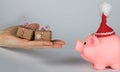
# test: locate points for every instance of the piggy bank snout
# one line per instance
(78, 45)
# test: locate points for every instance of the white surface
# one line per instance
(69, 20)
(44, 60)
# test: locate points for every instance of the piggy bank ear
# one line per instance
(93, 40)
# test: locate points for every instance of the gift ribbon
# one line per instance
(26, 24)
(47, 28)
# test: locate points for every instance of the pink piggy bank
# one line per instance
(101, 51)
(102, 48)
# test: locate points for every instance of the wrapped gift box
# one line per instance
(43, 35)
(24, 32)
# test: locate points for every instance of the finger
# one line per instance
(57, 46)
(59, 41)
(32, 45)
(41, 47)
(12, 28)
(40, 43)
(52, 46)
(1, 32)
(49, 46)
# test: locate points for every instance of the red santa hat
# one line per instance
(105, 30)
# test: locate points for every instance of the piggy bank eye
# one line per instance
(85, 43)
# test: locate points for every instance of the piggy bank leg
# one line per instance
(115, 66)
(99, 66)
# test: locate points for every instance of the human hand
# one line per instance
(9, 40)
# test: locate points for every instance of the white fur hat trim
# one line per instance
(106, 8)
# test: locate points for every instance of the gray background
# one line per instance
(69, 20)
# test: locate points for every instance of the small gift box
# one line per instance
(24, 32)
(43, 34)
(31, 32)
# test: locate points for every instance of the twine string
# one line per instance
(25, 25)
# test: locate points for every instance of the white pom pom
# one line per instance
(106, 9)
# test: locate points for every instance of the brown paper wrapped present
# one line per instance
(31, 32)
(43, 35)
(25, 33)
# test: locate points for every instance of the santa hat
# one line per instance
(105, 30)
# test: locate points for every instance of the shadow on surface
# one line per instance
(52, 57)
